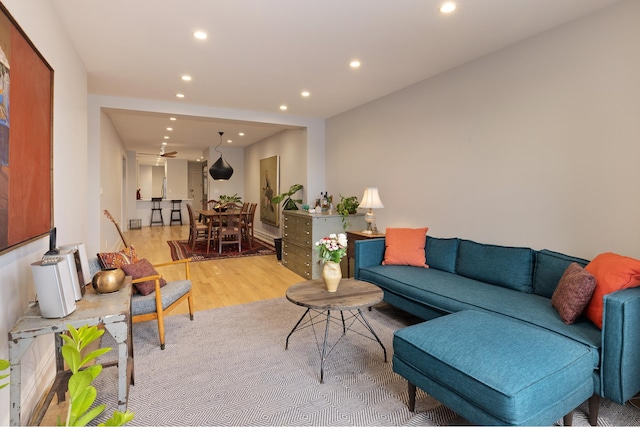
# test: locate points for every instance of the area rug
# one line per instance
(181, 250)
(229, 367)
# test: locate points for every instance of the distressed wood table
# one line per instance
(113, 311)
(352, 296)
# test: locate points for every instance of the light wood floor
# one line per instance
(215, 283)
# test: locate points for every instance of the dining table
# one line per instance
(209, 216)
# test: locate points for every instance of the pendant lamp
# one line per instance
(220, 170)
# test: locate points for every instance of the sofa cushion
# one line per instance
(450, 293)
(509, 267)
(405, 246)
(550, 266)
(501, 372)
(573, 293)
(612, 272)
(442, 253)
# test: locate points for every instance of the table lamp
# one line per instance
(371, 200)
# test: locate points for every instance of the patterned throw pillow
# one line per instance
(405, 246)
(118, 259)
(573, 292)
(140, 269)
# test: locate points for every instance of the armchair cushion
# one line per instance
(140, 269)
(145, 304)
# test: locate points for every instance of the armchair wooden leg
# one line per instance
(161, 329)
(190, 301)
(412, 397)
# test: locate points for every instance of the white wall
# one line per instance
(177, 179)
(113, 159)
(145, 181)
(536, 145)
(291, 146)
(38, 19)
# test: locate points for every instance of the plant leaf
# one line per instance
(95, 354)
(83, 402)
(79, 382)
(118, 419)
(71, 355)
(4, 364)
(89, 416)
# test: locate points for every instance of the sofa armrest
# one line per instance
(620, 370)
(368, 253)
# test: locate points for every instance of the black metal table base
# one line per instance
(325, 315)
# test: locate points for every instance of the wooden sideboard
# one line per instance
(300, 231)
(352, 236)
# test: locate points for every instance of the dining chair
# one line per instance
(247, 223)
(197, 230)
(229, 230)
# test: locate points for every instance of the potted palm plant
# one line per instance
(288, 205)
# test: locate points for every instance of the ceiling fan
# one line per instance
(161, 154)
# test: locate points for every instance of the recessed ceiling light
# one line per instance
(447, 7)
(200, 35)
(186, 78)
(166, 137)
(305, 93)
(229, 141)
(283, 107)
(164, 143)
(179, 95)
(241, 134)
(169, 129)
(172, 118)
(354, 64)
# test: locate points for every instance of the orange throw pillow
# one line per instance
(405, 246)
(612, 272)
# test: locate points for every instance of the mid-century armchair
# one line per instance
(163, 299)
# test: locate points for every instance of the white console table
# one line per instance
(112, 310)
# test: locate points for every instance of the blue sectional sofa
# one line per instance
(515, 283)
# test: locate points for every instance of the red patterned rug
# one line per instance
(181, 250)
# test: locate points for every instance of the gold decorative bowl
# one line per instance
(108, 280)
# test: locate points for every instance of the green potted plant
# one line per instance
(347, 206)
(288, 205)
(224, 199)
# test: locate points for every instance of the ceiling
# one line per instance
(261, 54)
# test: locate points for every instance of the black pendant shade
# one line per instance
(220, 170)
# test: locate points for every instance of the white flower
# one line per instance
(342, 239)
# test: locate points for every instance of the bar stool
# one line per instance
(156, 207)
(176, 212)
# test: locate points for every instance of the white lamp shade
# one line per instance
(371, 199)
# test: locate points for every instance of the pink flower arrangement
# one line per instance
(332, 248)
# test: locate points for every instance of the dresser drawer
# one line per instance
(297, 259)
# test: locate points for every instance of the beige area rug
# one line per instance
(229, 367)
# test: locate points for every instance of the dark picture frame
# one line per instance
(26, 138)
(269, 188)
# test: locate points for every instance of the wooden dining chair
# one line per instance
(198, 231)
(247, 223)
(229, 230)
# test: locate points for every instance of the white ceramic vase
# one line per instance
(331, 275)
